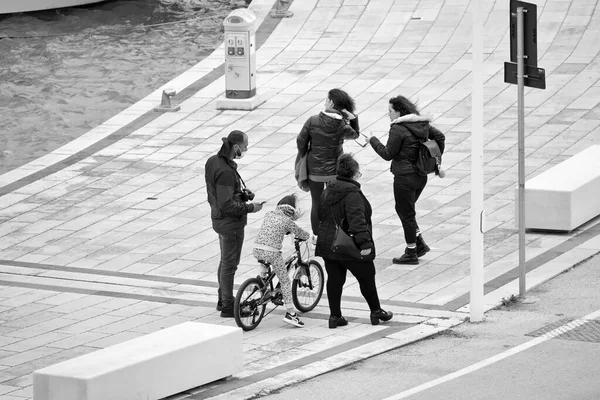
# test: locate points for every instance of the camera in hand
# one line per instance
(247, 195)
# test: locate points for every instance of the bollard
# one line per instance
(165, 104)
(240, 62)
(279, 11)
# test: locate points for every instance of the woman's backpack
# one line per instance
(429, 158)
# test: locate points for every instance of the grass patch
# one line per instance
(509, 301)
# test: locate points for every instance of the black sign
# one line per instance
(534, 77)
(529, 35)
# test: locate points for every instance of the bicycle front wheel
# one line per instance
(249, 307)
(307, 287)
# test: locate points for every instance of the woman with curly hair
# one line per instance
(322, 137)
(408, 129)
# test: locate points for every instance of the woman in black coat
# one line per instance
(322, 136)
(343, 199)
(408, 129)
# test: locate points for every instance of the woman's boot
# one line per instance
(380, 315)
(422, 247)
(409, 257)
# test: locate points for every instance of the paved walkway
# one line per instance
(109, 237)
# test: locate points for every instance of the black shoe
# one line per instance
(219, 305)
(409, 257)
(227, 313)
(422, 247)
(382, 315)
(334, 322)
(278, 299)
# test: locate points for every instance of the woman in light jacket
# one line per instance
(322, 136)
(343, 200)
(408, 129)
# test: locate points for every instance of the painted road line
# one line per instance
(498, 357)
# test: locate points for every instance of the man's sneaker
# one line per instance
(293, 319)
(227, 313)
(219, 305)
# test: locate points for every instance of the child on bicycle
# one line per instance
(268, 244)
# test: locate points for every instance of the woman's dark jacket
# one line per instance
(344, 199)
(324, 136)
(402, 147)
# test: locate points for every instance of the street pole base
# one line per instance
(528, 300)
(250, 104)
(281, 14)
(167, 109)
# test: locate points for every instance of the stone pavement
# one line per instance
(109, 237)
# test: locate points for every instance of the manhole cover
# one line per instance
(584, 331)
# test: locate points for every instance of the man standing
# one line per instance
(229, 205)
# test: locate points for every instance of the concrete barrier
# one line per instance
(565, 196)
(150, 367)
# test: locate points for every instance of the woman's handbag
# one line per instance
(301, 172)
(344, 245)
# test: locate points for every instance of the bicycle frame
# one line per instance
(295, 257)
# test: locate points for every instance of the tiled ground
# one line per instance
(109, 237)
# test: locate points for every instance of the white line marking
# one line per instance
(498, 357)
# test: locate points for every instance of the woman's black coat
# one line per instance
(343, 199)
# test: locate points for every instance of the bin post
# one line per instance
(240, 62)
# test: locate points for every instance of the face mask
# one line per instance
(239, 154)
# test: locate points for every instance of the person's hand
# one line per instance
(348, 114)
(365, 252)
(257, 206)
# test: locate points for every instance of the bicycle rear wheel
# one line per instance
(249, 307)
(307, 286)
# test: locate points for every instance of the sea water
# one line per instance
(65, 71)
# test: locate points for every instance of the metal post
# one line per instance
(521, 144)
(476, 301)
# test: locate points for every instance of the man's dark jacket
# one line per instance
(227, 210)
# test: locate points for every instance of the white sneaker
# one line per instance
(293, 320)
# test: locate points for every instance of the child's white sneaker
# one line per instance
(293, 319)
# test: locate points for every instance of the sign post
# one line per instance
(476, 298)
(525, 72)
(521, 146)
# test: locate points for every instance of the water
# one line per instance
(65, 71)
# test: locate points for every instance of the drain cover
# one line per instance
(585, 331)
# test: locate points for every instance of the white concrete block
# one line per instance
(565, 196)
(150, 367)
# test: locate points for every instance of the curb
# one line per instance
(394, 341)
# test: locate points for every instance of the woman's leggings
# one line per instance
(316, 189)
(276, 261)
(363, 271)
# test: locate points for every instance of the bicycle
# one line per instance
(255, 293)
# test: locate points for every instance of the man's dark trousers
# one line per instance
(231, 251)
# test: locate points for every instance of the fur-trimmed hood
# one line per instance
(331, 120)
(411, 118)
(416, 124)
